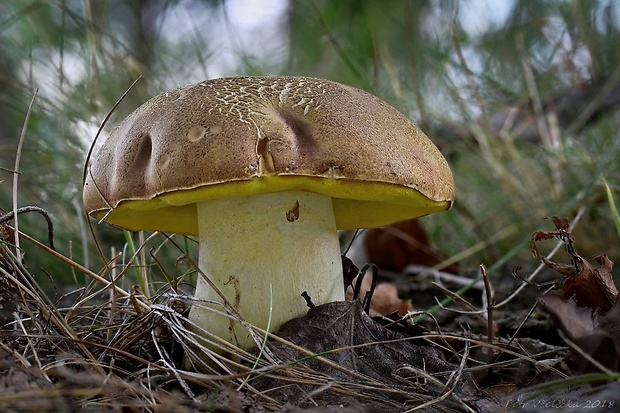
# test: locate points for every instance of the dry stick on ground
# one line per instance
(490, 331)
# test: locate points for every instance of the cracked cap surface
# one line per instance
(252, 135)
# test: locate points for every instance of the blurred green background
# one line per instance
(520, 95)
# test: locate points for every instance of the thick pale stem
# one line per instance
(284, 242)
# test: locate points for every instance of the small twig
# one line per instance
(10, 170)
(518, 330)
(18, 157)
(105, 121)
(166, 359)
(489, 296)
(358, 285)
(86, 168)
(308, 299)
(458, 299)
(515, 274)
(584, 354)
(50, 225)
(355, 234)
(427, 272)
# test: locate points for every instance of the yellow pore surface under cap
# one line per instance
(357, 204)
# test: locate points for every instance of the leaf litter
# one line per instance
(585, 306)
(125, 354)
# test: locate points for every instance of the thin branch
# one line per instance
(18, 157)
(50, 225)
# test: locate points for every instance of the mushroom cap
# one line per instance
(252, 135)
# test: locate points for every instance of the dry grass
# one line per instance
(102, 348)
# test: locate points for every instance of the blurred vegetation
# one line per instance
(519, 95)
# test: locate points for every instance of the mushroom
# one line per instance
(265, 170)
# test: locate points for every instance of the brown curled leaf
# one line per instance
(593, 287)
(567, 270)
(590, 286)
(560, 223)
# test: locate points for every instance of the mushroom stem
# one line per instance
(284, 242)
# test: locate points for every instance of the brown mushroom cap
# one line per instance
(251, 135)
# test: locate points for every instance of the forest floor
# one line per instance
(553, 348)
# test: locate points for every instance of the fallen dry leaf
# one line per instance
(590, 286)
(396, 246)
(574, 321)
(370, 355)
(597, 336)
(594, 286)
(586, 307)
